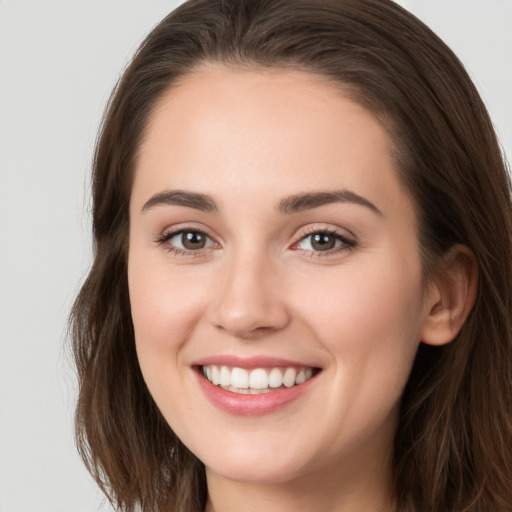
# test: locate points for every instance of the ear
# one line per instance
(451, 296)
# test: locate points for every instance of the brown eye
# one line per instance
(193, 240)
(322, 242)
(189, 240)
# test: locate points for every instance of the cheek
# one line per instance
(165, 307)
(370, 321)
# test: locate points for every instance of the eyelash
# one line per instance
(165, 237)
(346, 243)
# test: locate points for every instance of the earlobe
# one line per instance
(451, 296)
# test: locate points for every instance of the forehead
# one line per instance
(216, 97)
(270, 129)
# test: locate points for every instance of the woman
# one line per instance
(299, 298)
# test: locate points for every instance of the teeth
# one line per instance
(225, 377)
(247, 391)
(259, 380)
(275, 378)
(239, 378)
(289, 377)
(215, 375)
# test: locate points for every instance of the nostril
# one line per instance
(248, 303)
(251, 324)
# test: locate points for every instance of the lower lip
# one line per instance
(252, 405)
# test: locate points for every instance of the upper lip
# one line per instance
(250, 362)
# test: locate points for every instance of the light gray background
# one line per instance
(58, 63)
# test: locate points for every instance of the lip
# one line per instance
(245, 404)
(249, 363)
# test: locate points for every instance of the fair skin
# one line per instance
(330, 284)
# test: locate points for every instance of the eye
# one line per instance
(187, 240)
(324, 241)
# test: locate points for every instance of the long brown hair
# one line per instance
(453, 447)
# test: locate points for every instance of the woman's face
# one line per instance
(271, 242)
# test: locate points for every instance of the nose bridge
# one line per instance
(248, 299)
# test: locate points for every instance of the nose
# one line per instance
(249, 300)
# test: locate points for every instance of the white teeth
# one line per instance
(240, 378)
(225, 377)
(258, 379)
(289, 377)
(255, 381)
(215, 376)
(275, 378)
(248, 391)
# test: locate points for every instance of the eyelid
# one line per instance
(348, 241)
(322, 227)
(170, 232)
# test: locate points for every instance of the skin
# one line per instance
(249, 139)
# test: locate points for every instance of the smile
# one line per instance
(253, 386)
(257, 380)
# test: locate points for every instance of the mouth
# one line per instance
(256, 381)
(254, 386)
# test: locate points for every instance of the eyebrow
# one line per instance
(194, 200)
(308, 201)
(291, 204)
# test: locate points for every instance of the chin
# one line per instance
(264, 466)
(256, 472)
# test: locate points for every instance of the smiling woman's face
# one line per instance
(271, 242)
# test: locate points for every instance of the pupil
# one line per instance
(322, 242)
(193, 240)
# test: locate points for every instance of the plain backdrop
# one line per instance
(58, 63)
